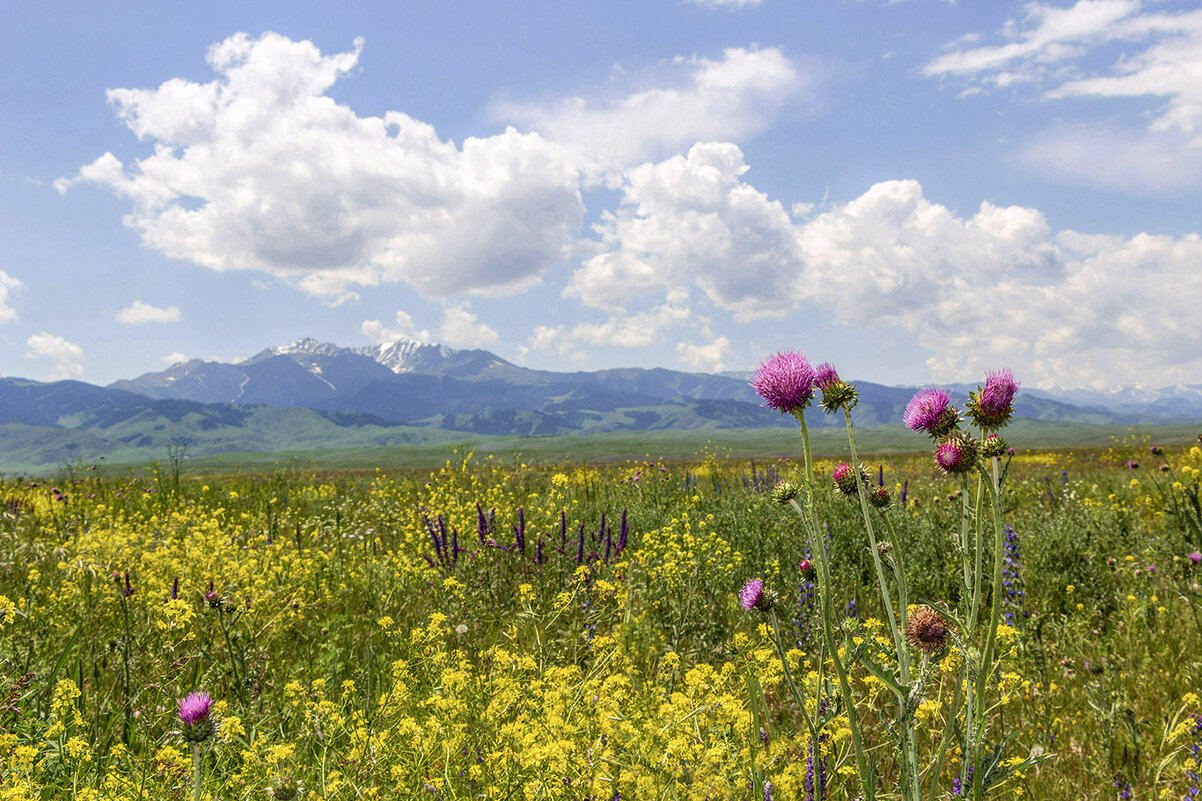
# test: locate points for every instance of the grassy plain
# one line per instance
(538, 624)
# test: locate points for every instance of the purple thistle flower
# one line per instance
(991, 406)
(752, 595)
(194, 708)
(930, 410)
(950, 457)
(825, 376)
(1195, 557)
(785, 382)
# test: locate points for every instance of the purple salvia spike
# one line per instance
(434, 538)
(880, 475)
(905, 486)
(481, 524)
(609, 544)
(538, 551)
(175, 588)
(563, 531)
(519, 531)
(454, 545)
(429, 561)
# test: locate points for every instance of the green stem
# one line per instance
(867, 779)
(908, 740)
(784, 661)
(986, 665)
(197, 772)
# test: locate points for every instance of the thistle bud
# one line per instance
(956, 454)
(844, 476)
(992, 445)
(879, 498)
(784, 492)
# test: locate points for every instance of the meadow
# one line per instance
(495, 629)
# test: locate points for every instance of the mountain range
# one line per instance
(313, 395)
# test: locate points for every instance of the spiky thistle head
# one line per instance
(993, 446)
(193, 710)
(926, 630)
(836, 393)
(754, 596)
(956, 454)
(845, 478)
(931, 410)
(784, 492)
(785, 381)
(991, 406)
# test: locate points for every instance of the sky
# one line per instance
(917, 191)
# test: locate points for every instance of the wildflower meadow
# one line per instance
(965, 621)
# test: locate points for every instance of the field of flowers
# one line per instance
(492, 630)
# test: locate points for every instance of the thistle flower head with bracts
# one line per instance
(754, 596)
(836, 393)
(784, 492)
(993, 446)
(990, 406)
(844, 476)
(193, 710)
(926, 630)
(879, 498)
(785, 381)
(931, 410)
(956, 454)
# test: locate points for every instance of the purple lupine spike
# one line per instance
(481, 524)
(175, 588)
(563, 531)
(454, 545)
(434, 538)
(519, 531)
(609, 543)
(429, 561)
(538, 551)
(623, 532)
(880, 475)
(600, 528)
(905, 486)
(580, 546)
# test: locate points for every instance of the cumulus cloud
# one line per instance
(995, 287)
(731, 98)
(402, 328)
(8, 286)
(67, 356)
(175, 358)
(630, 330)
(139, 312)
(259, 169)
(464, 329)
(708, 358)
(692, 221)
(1055, 51)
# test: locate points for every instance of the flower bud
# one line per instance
(784, 492)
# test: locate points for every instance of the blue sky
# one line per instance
(917, 191)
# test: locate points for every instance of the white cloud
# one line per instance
(733, 98)
(260, 169)
(693, 221)
(175, 358)
(999, 287)
(139, 312)
(67, 356)
(403, 327)
(463, 329)
(708, 358)
(1059, 51)
(630, 330)
(8, 285)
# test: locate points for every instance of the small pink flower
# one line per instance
(1195, 557)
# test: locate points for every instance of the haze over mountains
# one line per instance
(314, 395)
